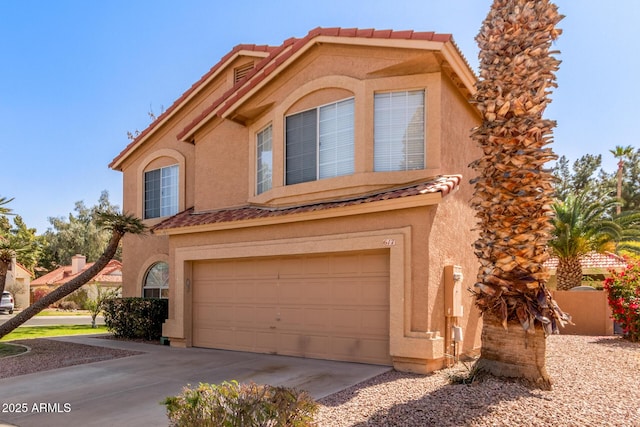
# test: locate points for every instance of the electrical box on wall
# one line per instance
(453, 290)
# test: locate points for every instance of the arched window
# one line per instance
(156, 281)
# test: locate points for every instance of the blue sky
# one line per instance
(76, 76)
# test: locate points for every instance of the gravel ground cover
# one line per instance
(47, 354)
(596, 383)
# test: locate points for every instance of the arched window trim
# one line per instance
(156, 281)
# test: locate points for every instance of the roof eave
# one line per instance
(421, 200)
(116, 163)
(448, 49)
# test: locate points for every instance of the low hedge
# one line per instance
(136, 317)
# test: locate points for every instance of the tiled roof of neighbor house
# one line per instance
(188, 218)
(62, 275)
(267, 65)
(592, 260)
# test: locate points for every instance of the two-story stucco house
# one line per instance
(306, 199)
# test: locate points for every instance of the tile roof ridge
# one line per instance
(276, 55)
(291, 45)
(236, 49)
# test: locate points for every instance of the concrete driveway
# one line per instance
(127, 391)
(54, 320)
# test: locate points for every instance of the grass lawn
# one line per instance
(7, 350)
(54, 312)
(27, 332)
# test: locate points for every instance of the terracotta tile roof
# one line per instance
(191, 90)
(593, 260)
(62, 275)
(279, 55)
(276, 56)
(188, 218)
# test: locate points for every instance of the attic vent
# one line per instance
(241, 72)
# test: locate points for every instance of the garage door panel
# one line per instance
(305, 345)
(330, 306)
(205, 315)
(296, 292)
(358, 349)
(317, 319)
(375, 291)
(346, 292)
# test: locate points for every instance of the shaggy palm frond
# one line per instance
(121, 223)
(581, 226)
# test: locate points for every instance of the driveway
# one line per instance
(127, 391)
(54, 320)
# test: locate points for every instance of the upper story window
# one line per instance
(320, 143)
(399, 131)
(264, 167)
(161, 192)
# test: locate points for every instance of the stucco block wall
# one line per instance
(590, 312)
(217, 163)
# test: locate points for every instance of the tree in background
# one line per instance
(95, 305)
(27, 246)
(117, 225)
(621, 153)
(6, 250)
(585, 176)
(79, 234)
(579, 227)
(513, 192)
(630, 194)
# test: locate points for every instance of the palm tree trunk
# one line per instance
(513, 352)
(65, 289)
(569, 273)
(620, 167)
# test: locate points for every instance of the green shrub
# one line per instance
(78, 297)
(67, 305)
(240, 405)
(136, 317)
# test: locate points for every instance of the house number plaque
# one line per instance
(389, 242)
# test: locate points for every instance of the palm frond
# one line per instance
(121, 223)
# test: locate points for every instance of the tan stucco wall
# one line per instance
(590, 312)
(219, 172)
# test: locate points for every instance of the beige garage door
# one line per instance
(330, 306)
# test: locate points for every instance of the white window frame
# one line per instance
(399, 130)
(264, 159)
(165, 193)
(334, 141)
(156, 279)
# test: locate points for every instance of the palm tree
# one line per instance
(581, 226)
(513, 191)
(621, 153)
(118, 225)
(629, 242)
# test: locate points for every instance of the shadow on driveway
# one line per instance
(128, 391)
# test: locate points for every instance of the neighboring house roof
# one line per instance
(593, 260)
(272, 59)
(189, 218)
(59, 276)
